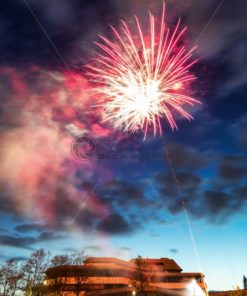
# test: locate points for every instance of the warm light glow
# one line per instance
(142, 79)
(45, 282)
(194, 289)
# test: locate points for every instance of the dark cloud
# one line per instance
(67, 24)
(130, 198)
(125, 249)
(188, 182)
(218, 43)
(73, 26)
(19, 258)
(17, 241)
(27, 242)
(218, 205)
(215, 199)
(70, 250)
(116, 224)
(48, 236)
(58, 186)
(31, 227)
(87, 220)
(174, 251)
(184, 156)
(123, 192)
(93, 248)
(241, 192)
(233, 168)
(69, 211)
(241, 132)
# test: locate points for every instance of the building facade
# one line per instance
(112, 276)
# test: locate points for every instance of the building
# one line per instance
(112, 276)
(237, 292)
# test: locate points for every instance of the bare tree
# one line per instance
(72, 261)
(74, 258)
(10, 278)
(34, 272)
(77, 257)
(60, 260)
(29, 277)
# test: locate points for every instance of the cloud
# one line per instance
(187, 181)
(215, 197)
(45, 106)
(116, 224)
(4, 230)
(35, 148)
(233, 168)
(174, 251)
(31, 227)
(218, 205)
(184, 156)
(72, 26)
(27, 242)
(127, 249)
(18, 258)
(241, 132)
(83, 214)
(241, 192)
(124, 193)
(93, 248)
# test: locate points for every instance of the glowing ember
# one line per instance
(143, 79)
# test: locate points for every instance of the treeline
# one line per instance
(24, 278)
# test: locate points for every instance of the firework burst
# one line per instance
(143, 78)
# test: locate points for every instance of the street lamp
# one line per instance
(45, 282)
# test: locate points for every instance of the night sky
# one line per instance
(114, 207)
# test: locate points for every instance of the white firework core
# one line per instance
(142, 79)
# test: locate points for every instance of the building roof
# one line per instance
(65, 270)
(98, 263)
(167, 264)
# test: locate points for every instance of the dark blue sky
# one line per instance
(122, 207)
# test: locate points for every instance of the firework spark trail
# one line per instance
(142, 79)
(209, 21)
(172, 218)
(178, 187)
(83, 204)
(51, 42)
(174, 176)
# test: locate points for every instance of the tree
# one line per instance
(143, 275)
(29, 277)
(245, 282)
(10, 278)
(60, 260)
(34, 272)
(74, 260)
